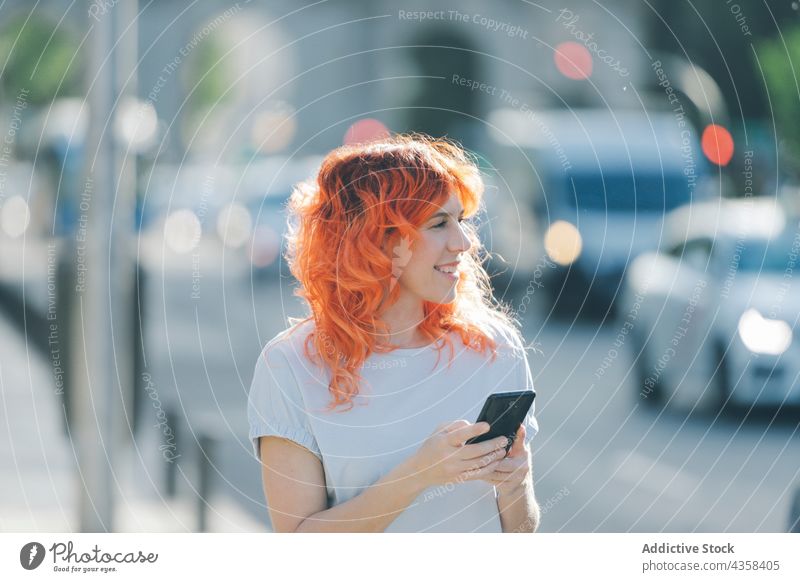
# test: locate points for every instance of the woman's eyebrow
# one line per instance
(438, 214)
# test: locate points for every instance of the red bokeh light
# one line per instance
(365, 130)
(717, 144)
(573, 60)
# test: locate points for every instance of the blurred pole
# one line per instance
(794, 512)
(101, 312)
(139, 354)
(207, 443)
(171, 469)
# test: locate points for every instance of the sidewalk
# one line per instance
(38, 487)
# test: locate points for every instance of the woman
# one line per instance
(357, 425)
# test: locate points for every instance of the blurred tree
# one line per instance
(778, 61)
(39, 57)
(718, 37)
(207, 77)
(726, 38)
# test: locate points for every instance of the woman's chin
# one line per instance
(443, 298)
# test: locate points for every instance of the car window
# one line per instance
(675, 251)
(625, 191)
(693, 253)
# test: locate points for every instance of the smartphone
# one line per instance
(504, 411)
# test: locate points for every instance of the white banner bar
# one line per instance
(406, 557)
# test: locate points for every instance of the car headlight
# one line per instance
(764, 336)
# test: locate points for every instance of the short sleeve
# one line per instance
(275, 405)
(526, 383)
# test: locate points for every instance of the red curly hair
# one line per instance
(365, 199)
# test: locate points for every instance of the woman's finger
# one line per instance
(451, 425)
(508, 465)
(491, 457)
(461, 434)
(504, 473)
(474, 474)
(479, 449)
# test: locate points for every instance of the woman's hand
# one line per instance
(444, 458)
(509, 475)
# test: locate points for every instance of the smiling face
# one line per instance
(430, 273)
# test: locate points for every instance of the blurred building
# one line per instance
(336, 62)
(216, 71)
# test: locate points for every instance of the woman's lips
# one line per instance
(451, 276)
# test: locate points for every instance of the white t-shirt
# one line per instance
(405, 397)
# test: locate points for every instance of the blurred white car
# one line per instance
(711, 318)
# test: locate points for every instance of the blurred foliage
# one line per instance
(37, 57)
(207, 77)
(720, 36)
(778, 61)
(729, 39)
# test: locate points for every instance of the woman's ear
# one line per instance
(388, 236)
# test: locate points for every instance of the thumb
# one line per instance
(518, 448)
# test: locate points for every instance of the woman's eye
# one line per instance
(441, 224)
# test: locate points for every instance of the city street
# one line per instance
(603, 462)
(618, 181)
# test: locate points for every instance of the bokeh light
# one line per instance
(265, 245)
(182, 231)
(136, 124)
(573, 60)
(366, 130)
(274, 129)
(563, 242)
(234, 225)
(15, 216)
(717, 144)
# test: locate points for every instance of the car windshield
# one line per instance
(623, 191)
(762, 255)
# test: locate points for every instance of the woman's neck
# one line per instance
(402, 320)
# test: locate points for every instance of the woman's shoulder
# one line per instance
(507, 336)
(289, 341)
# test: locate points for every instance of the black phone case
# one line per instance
(504, 411)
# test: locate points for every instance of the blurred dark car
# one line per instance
(598, 186)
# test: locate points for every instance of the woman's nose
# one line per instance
(461, 241)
